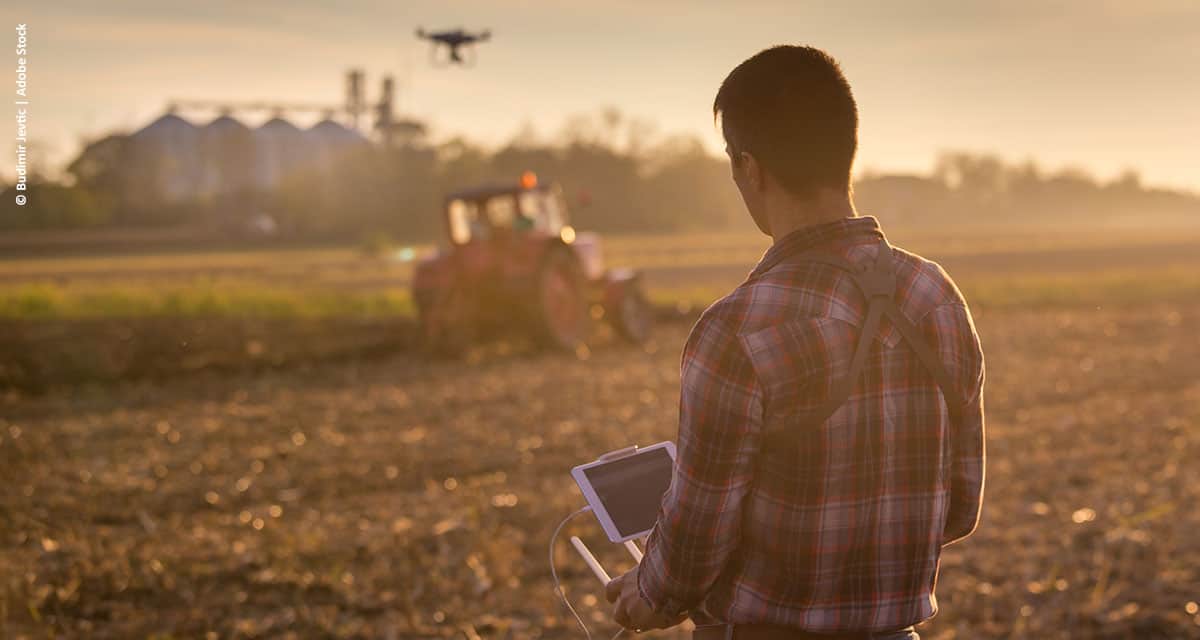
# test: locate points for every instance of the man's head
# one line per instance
(791, 129)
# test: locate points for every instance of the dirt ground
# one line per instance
(396, 497)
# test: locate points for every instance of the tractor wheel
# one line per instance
(634, 316)
(561, 306)
(446, 324)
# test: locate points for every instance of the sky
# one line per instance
(1100, 85)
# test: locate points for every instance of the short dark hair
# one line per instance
(791, 108)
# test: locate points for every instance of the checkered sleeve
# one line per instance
(720, 417)
(967, 438)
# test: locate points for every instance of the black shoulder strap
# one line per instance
(878, 285)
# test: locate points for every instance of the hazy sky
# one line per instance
(1100, 85)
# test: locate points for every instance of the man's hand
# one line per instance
(630, 610)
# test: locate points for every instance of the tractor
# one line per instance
(514, 266)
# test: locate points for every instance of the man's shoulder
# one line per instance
(716, 334)
(744, 306)
(923, 284)
(723, 317)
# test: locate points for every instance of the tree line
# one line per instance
(630, 179)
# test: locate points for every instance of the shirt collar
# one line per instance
(814, 236)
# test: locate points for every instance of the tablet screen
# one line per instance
(631, 488)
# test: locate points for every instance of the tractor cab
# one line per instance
(497, 212)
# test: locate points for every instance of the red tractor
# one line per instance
(515, 265)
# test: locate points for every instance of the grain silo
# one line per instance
(330, 140)
(168, 152)
(281, 147)
(228, 155)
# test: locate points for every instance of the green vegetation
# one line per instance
(1010, 268)
(199, 299)
(1103, 289)
(1029, 290)
(206, 298)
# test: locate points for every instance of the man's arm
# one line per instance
(720, 417)
(967, 442)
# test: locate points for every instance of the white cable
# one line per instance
(558, 585)
(554, 573)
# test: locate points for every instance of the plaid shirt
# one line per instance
(831, 527)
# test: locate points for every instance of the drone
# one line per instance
(453, 40)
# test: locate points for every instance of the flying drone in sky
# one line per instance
(454, 40)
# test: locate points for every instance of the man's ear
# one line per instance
(756, 177)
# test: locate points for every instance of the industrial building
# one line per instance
(185, 159)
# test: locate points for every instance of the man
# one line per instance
(815, 485)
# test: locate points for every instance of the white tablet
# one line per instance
(625, 488)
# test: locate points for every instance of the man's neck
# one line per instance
(800, 214)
